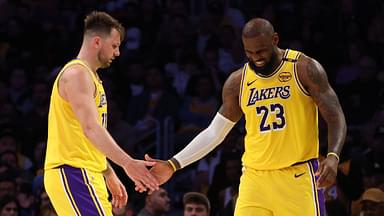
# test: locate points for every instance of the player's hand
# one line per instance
(162, 170)
(117, 189)
(137, 170)
(327, 172)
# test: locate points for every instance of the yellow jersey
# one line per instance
(281, 118)
(67, 143)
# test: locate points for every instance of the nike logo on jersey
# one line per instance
(298, 175)
(250, 83)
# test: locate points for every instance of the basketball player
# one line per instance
(279, 92)
(78, 142)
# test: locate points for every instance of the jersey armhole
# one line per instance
(61, 73)
(243, 74)
(298, 82)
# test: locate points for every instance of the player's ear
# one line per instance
(275, 39)
(97, 42)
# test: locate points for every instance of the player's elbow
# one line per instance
(90, 129)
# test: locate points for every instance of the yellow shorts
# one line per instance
(290, 191)
(75, 191)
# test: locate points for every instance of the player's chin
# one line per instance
(167, 207)
(106, 65)
(259, 67)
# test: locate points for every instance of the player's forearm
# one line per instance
(108, 171)
(103, 141)
(337, 130)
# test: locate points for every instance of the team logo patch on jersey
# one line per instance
(285, 76)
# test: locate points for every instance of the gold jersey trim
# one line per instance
(299, 84)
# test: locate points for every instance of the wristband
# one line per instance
(172, 165)
(334, 154)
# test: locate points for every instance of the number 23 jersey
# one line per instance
(281, 117)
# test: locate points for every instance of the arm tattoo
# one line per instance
(231, 107)
(328, 103)
(231, 87)
(321, 91)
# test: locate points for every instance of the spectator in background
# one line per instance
(121, 130)
(175, 35)
(44, 205)
(19, 92)
(9, 158)
(36, 120)
(231, 53)
(26, 199)
(206, 30)
(228, 195)
(196, 204)
(9, 142)
(223, 189)
(199, 105)
(150, 21)
(8, 206)
(156, 204)
(130, 83)
(38, 157)
(211, 66)
(155, 103)
(180, 71)
(372, 202)
(132, 45)
(126, 210)
(362, 103)
(8, 185)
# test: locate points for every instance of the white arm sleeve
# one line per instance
(205, 141)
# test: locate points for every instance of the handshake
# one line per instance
(149, 180)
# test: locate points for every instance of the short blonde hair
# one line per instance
(98, 22)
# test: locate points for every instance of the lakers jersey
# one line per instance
(281, 117)
(67, 143)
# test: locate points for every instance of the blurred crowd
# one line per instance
(174, 60)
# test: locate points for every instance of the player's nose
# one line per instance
(117, 52)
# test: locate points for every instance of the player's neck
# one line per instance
(89, 58)
(278, 58)
(88, 61)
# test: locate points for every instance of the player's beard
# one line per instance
(267, 68)
(105, 62)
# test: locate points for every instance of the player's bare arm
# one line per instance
(76, 86)
(314, 79)
(230, 95)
